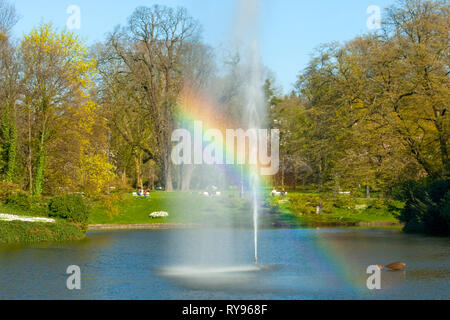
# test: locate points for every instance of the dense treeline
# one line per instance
(78, 119)
(368, 115)
(52, 133)
(373, 112)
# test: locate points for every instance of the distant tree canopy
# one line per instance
(367, 114)
(374, 111)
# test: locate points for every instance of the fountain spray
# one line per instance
(255, 223)
(246, 37)
(255, 107)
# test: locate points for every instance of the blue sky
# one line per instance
(290, 30)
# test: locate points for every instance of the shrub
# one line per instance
(344, 202)
(26, 203)
(110, 203)
(7, 189)
(427, 207)
(273, 206)
(379, 204)
(395, 207)
(307, 203)
(24, 232)
(20, 201)
(71, 207)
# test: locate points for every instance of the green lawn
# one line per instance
(360, 211)
(226, 209)
(343, 215)
(182, 208)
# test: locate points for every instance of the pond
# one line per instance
(294, 264)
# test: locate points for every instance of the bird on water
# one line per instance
(396, 266)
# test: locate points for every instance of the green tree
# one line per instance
(9, 92)
(57, 75)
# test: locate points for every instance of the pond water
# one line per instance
(294, 264)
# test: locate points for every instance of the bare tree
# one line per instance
(150, 50)
(8, 17)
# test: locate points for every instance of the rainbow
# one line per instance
(196, 105)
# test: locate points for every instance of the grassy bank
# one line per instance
(68, 212)
(338, 210)
(189, 208)
(193, 208)
(230, 209)
(182, 208)
(26, 232)
(349, 217)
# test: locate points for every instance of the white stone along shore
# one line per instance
(11, 217)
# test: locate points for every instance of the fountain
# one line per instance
(247, 33)
(255, 222)
(204, 256)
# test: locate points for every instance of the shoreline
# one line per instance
(141, 226)
(166, 226)
(357, 224)
(26, 232)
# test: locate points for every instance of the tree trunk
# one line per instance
(168, 173)
(30, 155)
(9, 132)
(168, 179)
(40, 169)
(294, 182)
(151, 180)
(186, 176)
(124, 176)
(12, 152)
(138, 163)
(41, 160)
